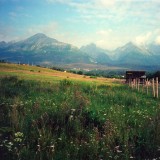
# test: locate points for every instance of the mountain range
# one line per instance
(42, 50)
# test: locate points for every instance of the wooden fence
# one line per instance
(149, 86)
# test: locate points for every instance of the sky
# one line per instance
(107, 23)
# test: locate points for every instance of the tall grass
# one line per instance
(70, 121)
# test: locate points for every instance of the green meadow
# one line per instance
(51, 115)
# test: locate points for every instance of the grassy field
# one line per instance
(48, 75)
(51, 115)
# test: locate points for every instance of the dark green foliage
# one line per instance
(93, 77)
(106, 73)
(80, 72)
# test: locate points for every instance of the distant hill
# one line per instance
(42, 50)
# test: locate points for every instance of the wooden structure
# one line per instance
(132, 75)
(137, 80)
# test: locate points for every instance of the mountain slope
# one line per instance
(154, 48)
(98, 55)
(131, 55)
(40, 49)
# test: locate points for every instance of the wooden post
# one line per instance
(157, 87)
(130, 84)
(143, 85)
(153, 87)
(138, 84)
(147, 85)
(134, 83)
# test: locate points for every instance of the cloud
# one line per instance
(58, 1)
(19, 12)
(102, 43)
(157, 40)
(113, 10)
(7, 33)
(143, 39)
(12, 14)
(104, 32)
(104, 3)
(108, 39)
(109, 43)
(106, 22)
(90, 4)
(48, 29)
(148, 37)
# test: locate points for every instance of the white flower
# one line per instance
(71, 117)
(60, 139)
(118, 151)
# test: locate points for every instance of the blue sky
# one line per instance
(107, 23)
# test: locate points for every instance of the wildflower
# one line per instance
(18, 134)
(158, 149)
(39, 147)
(118, 151)
(60, 139)
(52, 148)
(131, 157)
(71, 117)
(73, 110)
(117, 147)
(10, 143)
(18, 140)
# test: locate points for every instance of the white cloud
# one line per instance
(157, 31)
(104, 3)
(102, 43)
(92, 4)
(157, 40)
(104, 32)
(116, 10)
(109, 43)
(46, 29)
(143, 39)
(58, 1)
(149, 37)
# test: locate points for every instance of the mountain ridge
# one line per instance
(42, 50)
